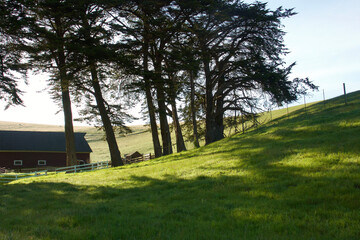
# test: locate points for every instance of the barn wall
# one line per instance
(30, 159)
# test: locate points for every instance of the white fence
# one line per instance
(84, 167)
(8, 177)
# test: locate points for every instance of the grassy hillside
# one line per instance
(297, 177)
(139, 140)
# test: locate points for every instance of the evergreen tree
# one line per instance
(145, 31)
(240, 47)
(131, 26)
(49, 27)
(12, 20)
(187, 61)
(92, 44)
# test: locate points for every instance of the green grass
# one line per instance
(296, 177)
(139, 140)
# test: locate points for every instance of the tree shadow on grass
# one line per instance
(316, 130)
(329, 131)
(254, 194)
(223, 207)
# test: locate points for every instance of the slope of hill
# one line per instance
(139, 140)
(297, 177)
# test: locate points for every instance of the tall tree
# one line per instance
(144, 29)
(131, 21)
(172, 95)
(49, 25)
(10, 62)
(162, 30)
(147, 86)
(188, 62)
(93, 37)
(240, 46)
(12, 20)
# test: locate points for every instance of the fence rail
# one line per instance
(149, 156)
(145, 157)
(84, 167)
(6, 178)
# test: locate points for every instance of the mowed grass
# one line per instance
(297, 177)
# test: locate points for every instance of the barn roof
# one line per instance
(40, 141)
(134, 153)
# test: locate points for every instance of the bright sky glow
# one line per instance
(323, 38)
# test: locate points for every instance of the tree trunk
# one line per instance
(115, 154)
(193, 110)
(164, 125)
(214, 105)
(210, 127)
(153, 125)
(109, 131)
(214, 123)
(149, 100)
(180, 144)
(71, 158)
(219, 110)
(219, 119)
(235, 112)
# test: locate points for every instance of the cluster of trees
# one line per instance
(212, 57)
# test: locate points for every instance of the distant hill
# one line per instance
(140, 139)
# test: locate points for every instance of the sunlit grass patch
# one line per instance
(296, 177)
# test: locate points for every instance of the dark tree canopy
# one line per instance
(12, 19)
(214, 58)
(241, 49)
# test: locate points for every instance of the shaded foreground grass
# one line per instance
(297, 177)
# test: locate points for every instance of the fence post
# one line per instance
(345, 93)
(74, 169)
(242, 123)
(287, 110)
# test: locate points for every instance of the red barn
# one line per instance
(19, 149)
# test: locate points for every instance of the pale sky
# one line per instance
(323, 38)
